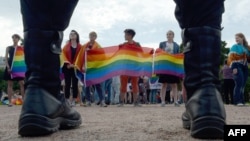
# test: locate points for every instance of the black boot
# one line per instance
(205, 114)
(44, 110)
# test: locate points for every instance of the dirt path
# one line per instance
(147, 123)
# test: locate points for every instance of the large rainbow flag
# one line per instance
(105, 63)
(165, 63)
(18, 68)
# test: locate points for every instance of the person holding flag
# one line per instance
(70, 52)
(10, 53)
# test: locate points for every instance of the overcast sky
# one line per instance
(149, 18)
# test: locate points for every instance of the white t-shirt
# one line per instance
(169, 47)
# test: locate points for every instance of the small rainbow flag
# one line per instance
(18, 68)
(153, 79)
(105, 63)
(165, 63)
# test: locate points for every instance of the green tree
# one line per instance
(224, 51)
(2, 82)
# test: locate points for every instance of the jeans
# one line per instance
(97, 88)
(83, 93)
(107, 89)
(115, 90)
(115, 93)
(152, 97)
(228, 90)
(240, 80)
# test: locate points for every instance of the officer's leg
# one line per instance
(201, 23)
(45, 109)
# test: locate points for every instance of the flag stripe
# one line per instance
(18, 68)
(19, 63)
(170, 59)
(122, 66)
(110, 75)
(125, 58)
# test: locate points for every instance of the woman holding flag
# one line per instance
(8, 74)
(80, 63)
(70, 52)
(171, 47)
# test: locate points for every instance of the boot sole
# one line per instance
(37, 125)
(208, 127)
(186, 124)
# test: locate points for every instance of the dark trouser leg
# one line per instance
(231, 90)
(87, 92)
(239, 83)
(74, 85)
(44, 109)
(67, 79)
(245, 72)
(200, 20)
(99, 91)
(226, 90)
(108, 89)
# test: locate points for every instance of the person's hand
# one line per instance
(235, 71)
(83, 69)
(9, 70)
(120, 46)
(72, 66)
(69, 66)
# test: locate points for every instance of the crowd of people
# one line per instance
(234, 82)
(120, 89)
(111, 94)
(127, 89)
(138, 90)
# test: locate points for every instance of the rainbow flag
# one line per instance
(105, 63)
(18, 67)
(165, 63)
(153, 79)
(154, 82)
